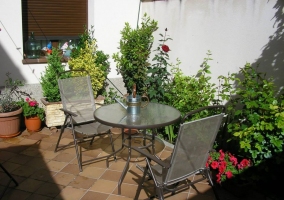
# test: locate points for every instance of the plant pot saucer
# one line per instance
(132, 132)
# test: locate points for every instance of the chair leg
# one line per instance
(111, 142)
(141, 184)
(11, 179)
(78, 151)
(59, 138)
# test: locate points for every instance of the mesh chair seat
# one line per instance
(78, 106)
(194, 142)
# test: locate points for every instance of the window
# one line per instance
(53, 20)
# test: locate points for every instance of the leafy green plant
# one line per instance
(187, 93)
(256, 125)
(86, 60)
(11, 95)
(157, 73)
(49, 78)
(98, 64)
(135, 49)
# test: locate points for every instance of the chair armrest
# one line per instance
(68, 112)
(152, 157)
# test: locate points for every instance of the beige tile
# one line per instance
(71, 169)
(111, 175)
(118, 197)
(55, 165)
(49, 154)
(63, 178)
(104, 186)
(127, 190)
(92, 172)
(82, 182)
(64, 157)
(95, 195)
(71, 193)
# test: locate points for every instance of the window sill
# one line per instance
(41, 60)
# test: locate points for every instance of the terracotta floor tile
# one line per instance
(111, 175)
(20, 159)
(38, 162)
(82, 182)
(16, 194)
(63, 178)
(25, 171)
(49, 189)
(71, 169)
(95, 195)
(31, 151)
(39, 197)
(64, 157)
(118, 197)
(55, 165)
(49, 154)
(43, 175)
(127, 190)
(71, 193)
(30, 185)
(6, 155)
(104, 186)
(92, 172)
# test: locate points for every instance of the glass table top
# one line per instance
(154, 115)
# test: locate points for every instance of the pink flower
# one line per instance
(165, 48)
(27, 99)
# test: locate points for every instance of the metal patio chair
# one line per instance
(195, 141)
(78, 106)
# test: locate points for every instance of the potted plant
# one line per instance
(50, 89)
(10, 111)
(135, 49)
(33, 114)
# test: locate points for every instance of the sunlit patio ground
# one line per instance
(43, 174)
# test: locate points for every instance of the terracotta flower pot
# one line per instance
(10, 124)
(33, 124)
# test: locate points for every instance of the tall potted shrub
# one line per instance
(135, 49)
(50, 89)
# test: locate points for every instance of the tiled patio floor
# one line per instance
(44, 175)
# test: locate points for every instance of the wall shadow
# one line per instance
(29, 169)
(271, 60)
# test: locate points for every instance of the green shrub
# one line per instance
(135, 49)
(49, 78)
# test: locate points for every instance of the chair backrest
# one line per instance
(77, 96)
(191, 151)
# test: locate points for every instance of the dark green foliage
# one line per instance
(135, 49)
(256, 126)
(49, 78)
(157, 74)
(11, 95)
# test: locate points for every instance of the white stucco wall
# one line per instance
(235, 31)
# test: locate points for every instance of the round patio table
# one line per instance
(153, 116)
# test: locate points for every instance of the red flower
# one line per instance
(222, 155)
(222, 167)
(229, 174)
(233, 159)
(244, 163)
(214, 164)
(165, 48)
